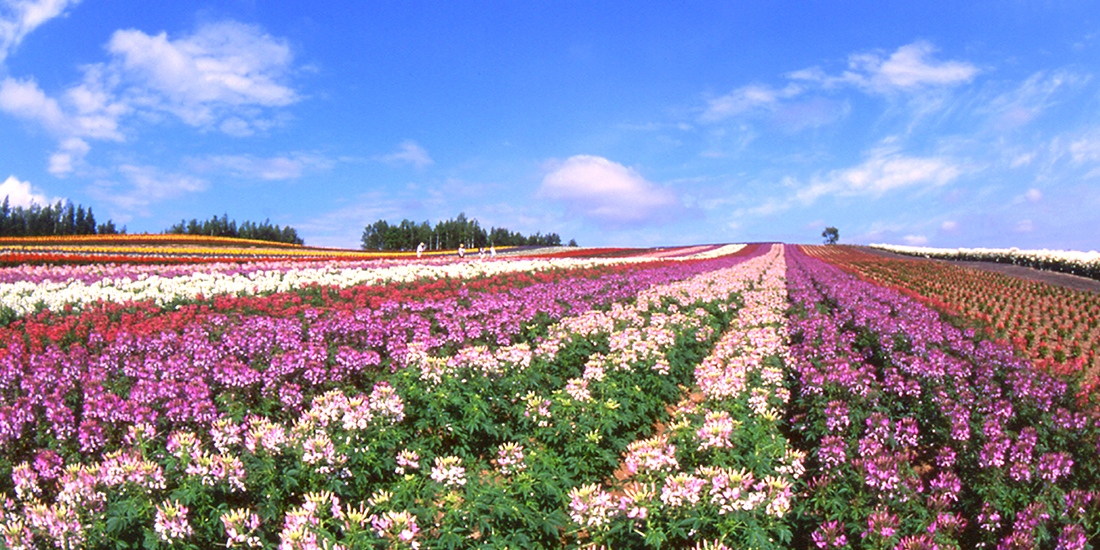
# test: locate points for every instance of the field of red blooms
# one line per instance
(709, 397)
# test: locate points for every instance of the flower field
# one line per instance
(1084, 264)
(1057, 328)
(706, 397)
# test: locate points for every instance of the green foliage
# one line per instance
(447, 235)
(224, 227)
(59, 219)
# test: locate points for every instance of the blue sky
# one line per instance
(615, 123)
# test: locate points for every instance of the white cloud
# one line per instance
(915, 240)
(747, 99)
(23, 98)
(607, 192)
(19, 17)
(21, 193)
(71, 152)
(81, 113)
(1022, 159)
(272, 168)
(910, 68)
(817, 112)
(206, 76)
(226, 76)
(147, 185)
(1030, 99)
(884, 170)
(949, 226)
(408, 152)
(1033, 195)
(1025, 226)
(1086, 148)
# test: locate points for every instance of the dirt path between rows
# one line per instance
(1050, 277)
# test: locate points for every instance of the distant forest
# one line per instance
(46, 221)
(448, 235)
(224, 227)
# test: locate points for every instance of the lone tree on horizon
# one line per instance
(831, 234)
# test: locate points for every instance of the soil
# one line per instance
(1050, 277)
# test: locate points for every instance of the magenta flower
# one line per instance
(830, 535)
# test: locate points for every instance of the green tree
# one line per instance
(831, 235)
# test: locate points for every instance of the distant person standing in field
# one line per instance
(419, 250)
(461, 251)
(492, 251)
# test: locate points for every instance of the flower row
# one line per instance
(922, 437)
(719, 473)
(24, 296)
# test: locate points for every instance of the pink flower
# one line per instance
(716, 430)
(171, 521)
(448, 471)
(510, 458)
(651, 455)
(407, 459)
(590, 506)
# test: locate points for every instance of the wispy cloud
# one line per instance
(408, 152)
(1031, 98)
(74, 116)
(608, 193)
(1086, 148)
(19, 17)
(884, 170)
(68, 156)
(145, 185)
(909, 68)
(343, 226)
(747, 99)
(281, 167)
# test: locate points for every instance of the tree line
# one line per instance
(224, 227)
(447, 235)
(51, 220)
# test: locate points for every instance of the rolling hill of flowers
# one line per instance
(720, 396)
(1085, 264)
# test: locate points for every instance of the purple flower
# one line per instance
(830, 535)
(945, 458)
(1052, 466)
(948, 524)
(1073, 537)
(832, 452)
(989, 518)
(945, 489)
(881, 524)
(836, 416)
